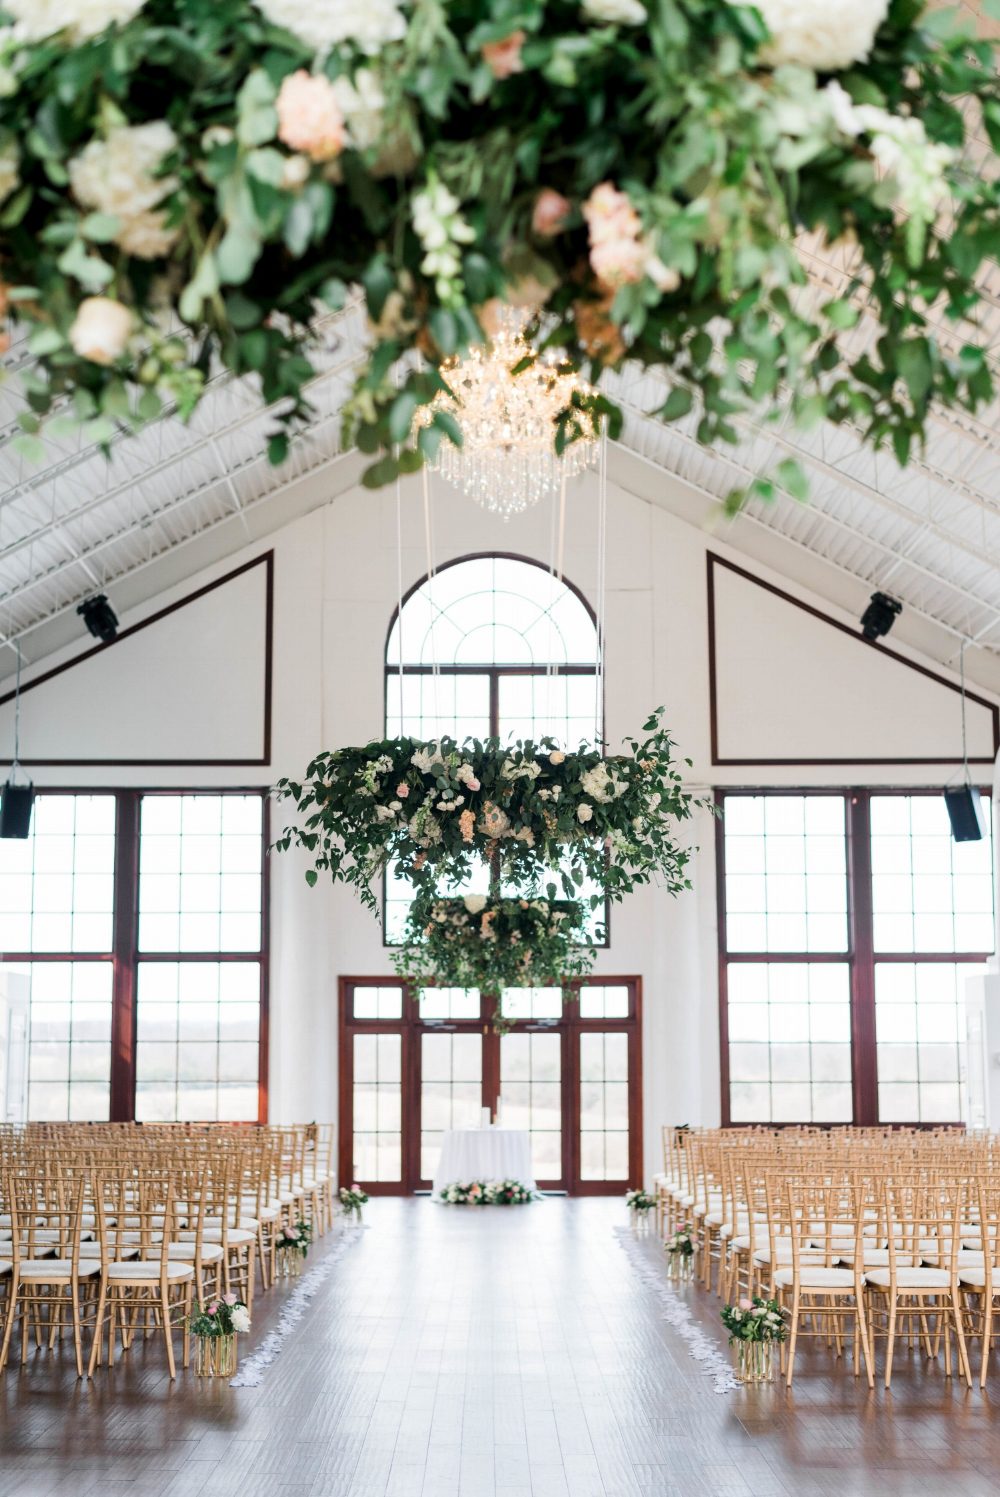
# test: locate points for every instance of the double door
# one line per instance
(415, 1062)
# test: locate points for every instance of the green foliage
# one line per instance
(442, 810)
(736, 172)
(493, 943)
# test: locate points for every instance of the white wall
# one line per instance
(334, 590)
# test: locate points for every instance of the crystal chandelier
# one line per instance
(508, 460)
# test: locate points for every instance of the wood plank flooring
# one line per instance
(501, 1353)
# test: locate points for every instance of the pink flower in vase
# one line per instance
(213, 1308)
(229, 1299)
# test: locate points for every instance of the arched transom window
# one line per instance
(494, 645)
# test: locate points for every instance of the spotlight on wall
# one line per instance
(100, 618)
(880, 615)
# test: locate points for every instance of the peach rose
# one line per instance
(610, 215)
(309, 117)
(504, 58)
(550, 213)
(618, 262)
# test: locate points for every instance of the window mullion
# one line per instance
(863, 1047)
(123, 998)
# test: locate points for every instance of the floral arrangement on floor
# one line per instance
(754, 1319)
(184, 184)
(522, 809)
(490, 943)
(488, 1193)
(225, 1316)
(296, 1238)
(681, 1243)
(640, 1201)
(352, 1200)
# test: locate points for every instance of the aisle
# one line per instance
(498, 1353)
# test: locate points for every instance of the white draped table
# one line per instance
(469, 1154)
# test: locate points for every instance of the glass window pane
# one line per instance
(69, 1050)
(57, 886)
(786, 872)
(920, 1039)
(929, 892)
(789, 1042)
(531, 1096)
(377, 1107)
(603, 1106)
(199, 872)
(451, 1090)
(197, 1041)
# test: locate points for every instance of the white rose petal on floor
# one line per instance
(715, 1363)
(252, 1369)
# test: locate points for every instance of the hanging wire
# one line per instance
(431, 574)
(399, 592)
(961, 672)
(602, 549)
(17, 712)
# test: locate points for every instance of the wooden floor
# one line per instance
(501, 1353)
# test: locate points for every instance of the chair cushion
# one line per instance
(211, 1252)
(975, 1275)
(93, 1250)
(816, 1278)
(56, 1268)
(132, 1272)
(237, 1236)
(5, 1266)
(909, 1278)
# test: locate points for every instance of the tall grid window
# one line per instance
(849, 923)
(492, 646)
(138, 919)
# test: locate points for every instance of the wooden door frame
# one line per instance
(410, 1027)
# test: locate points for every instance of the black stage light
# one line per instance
(880, 615)
(15, 809)
(100, 618)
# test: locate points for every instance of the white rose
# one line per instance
(10, 176)
(36, 19)
(118, 176)
(361, 103)
(475, 903)
(815, 34)
(557, 757)
(368, 24)
(101, 329)
(584, 812)
(616, 12)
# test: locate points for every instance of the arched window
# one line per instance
(491, 646)
(494, 646)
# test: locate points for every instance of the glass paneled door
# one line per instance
(415, 1063)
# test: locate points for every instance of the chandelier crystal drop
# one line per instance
(508, 419)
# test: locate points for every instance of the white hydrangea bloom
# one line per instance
(361, 101)
(368, 24)
(899, 144)
(615, 12)
(475, 903)
(117, 176)
(79, 19)
(815, 34)
(241, 1319)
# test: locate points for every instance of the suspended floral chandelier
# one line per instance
(507, 401)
